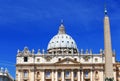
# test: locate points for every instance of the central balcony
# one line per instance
(86, 77)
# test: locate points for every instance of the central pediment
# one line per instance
(67, 61)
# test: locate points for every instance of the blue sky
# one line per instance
(33, 23)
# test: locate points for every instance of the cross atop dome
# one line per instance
(61, 28)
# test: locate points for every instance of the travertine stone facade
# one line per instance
(64, 62)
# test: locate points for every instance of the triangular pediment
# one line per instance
(67, 61)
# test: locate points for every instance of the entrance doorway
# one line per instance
(48, 80)
(68, 80)
(87, 80)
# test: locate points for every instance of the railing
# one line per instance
(86, 77)
(25, 78)
(67, 77)
(48, 77)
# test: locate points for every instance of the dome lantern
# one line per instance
(61, 29)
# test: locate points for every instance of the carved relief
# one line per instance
(86, 58)
(48, 58)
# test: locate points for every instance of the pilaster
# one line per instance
(82, 76)
(53, 75)
(63, 75)
(91, 75)
(78, 75)
(43, 75)
(56, 75)
(72, 76)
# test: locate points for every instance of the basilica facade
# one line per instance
(65, 62)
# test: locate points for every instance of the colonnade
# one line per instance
(80, 75)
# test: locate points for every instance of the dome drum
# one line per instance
(63, 50)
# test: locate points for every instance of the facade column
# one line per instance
(91, 74)
(53, 75)
(43, 75)
(114, 75)
(78, 75)
(56, 75)
(82, 76)
(63, 75)
(72, 76)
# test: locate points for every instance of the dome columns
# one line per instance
(62, 51)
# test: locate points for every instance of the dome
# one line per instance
(61, 41)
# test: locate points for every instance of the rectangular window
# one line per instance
(25, 74)
(75, 74)
(59, 59)
(47, 74)
(59, 74)
(86, 73)
(38, 60)
(75, 59)
(67, 74)
(96, 59)
(25, 59)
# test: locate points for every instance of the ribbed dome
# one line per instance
(62, 40)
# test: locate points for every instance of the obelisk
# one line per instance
(107, 49)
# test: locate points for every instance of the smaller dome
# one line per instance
(61, 41)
